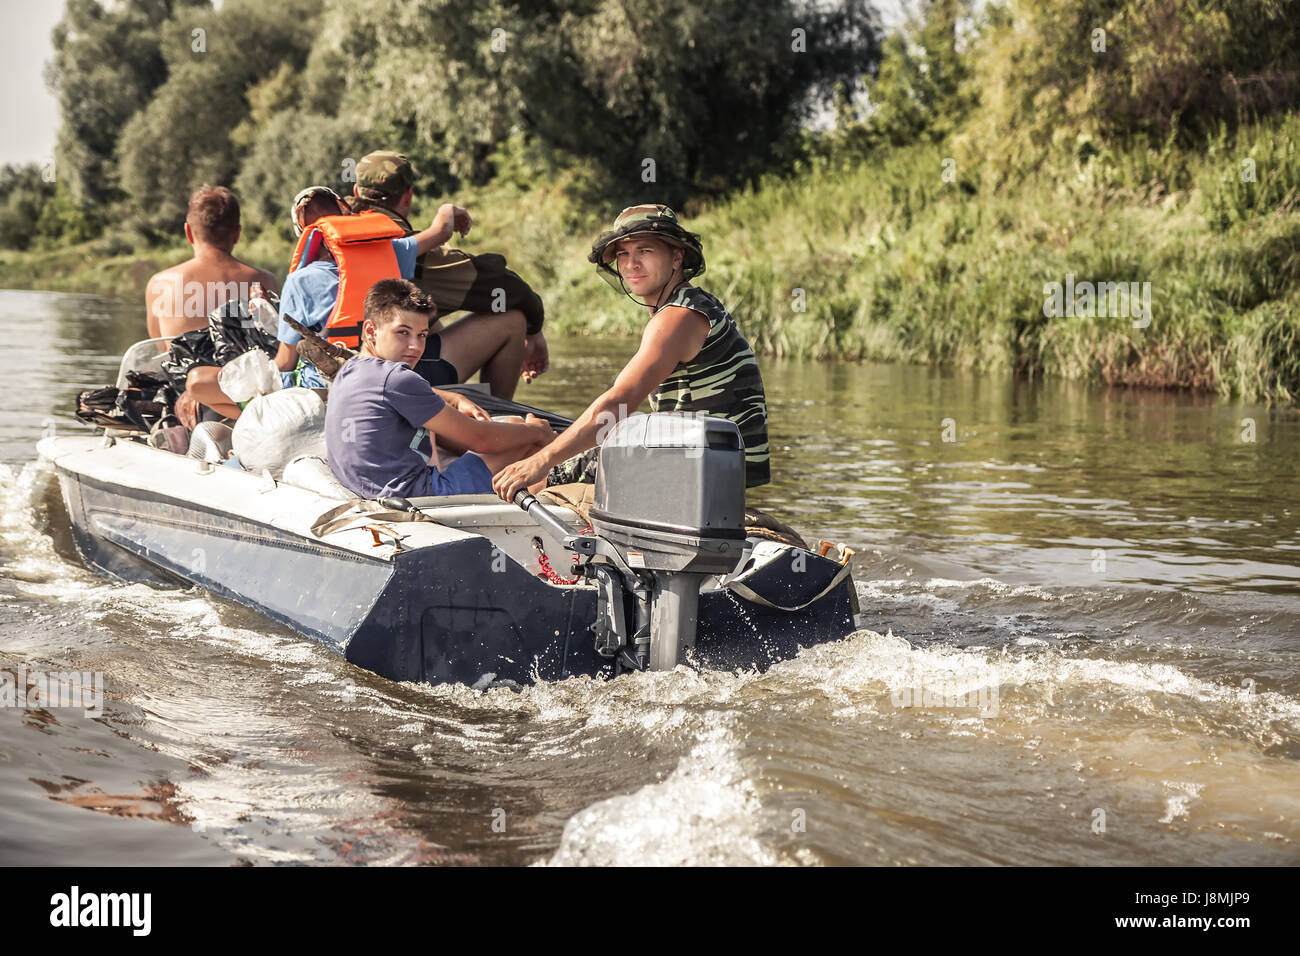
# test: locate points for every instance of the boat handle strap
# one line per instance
(749, 594)
(336, 519)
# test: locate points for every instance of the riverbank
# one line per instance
(1182, 267)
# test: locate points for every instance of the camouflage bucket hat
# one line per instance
(386, 172)
(650, 219)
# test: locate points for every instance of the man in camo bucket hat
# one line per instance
(653, 221)
(502, 336)
(693, 357)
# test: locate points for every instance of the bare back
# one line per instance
(179, 299)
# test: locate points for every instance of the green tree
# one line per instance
(23, 195)
(64, 220)
(1060, 75)
(925, 89)
(182, 138)
(713, 93)
(106, 64)
(421, 76)
(293, 151)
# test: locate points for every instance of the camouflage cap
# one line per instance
(649, 212)
(387, 172)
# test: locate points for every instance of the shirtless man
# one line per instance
(179, 299)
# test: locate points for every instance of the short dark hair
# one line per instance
(387, 297)
(213, 215)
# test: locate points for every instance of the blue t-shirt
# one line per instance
(309, 294)
(374, 432)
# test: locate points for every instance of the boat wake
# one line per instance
(1034, 729)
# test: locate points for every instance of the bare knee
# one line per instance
(496, 460)
(509, 323)
(514, 318)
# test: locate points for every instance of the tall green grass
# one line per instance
(896, 263)
(883, 258)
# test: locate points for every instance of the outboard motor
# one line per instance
(669, 511)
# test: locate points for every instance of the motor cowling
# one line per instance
(670, 500)
(670, 492)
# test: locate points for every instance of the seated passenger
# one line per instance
(178, 300)
(382, 419)
(501, 336)
(323, 293)
(693, 357)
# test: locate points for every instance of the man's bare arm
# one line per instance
(673, 335)
(153, 305)
(488, 436)
(448, 220)
(286, 359)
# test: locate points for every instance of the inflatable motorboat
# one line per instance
(660, 571)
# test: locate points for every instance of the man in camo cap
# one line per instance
(502, 335)
(384, 174)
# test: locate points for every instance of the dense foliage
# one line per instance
(920, 191)
(675, 97)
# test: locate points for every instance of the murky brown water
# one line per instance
(1111, 574)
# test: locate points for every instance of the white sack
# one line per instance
(277, 428)
(252, 374)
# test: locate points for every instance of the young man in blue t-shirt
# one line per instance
(311, 290)
(383, 420)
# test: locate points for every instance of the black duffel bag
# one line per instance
(147, 400)
(234, 331)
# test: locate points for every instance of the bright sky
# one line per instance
(29, 113)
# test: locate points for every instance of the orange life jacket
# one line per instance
(363, 250)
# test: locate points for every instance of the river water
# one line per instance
(1107, 578)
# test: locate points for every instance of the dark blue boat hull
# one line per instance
(435, 614)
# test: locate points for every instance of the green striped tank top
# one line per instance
(722, 380)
